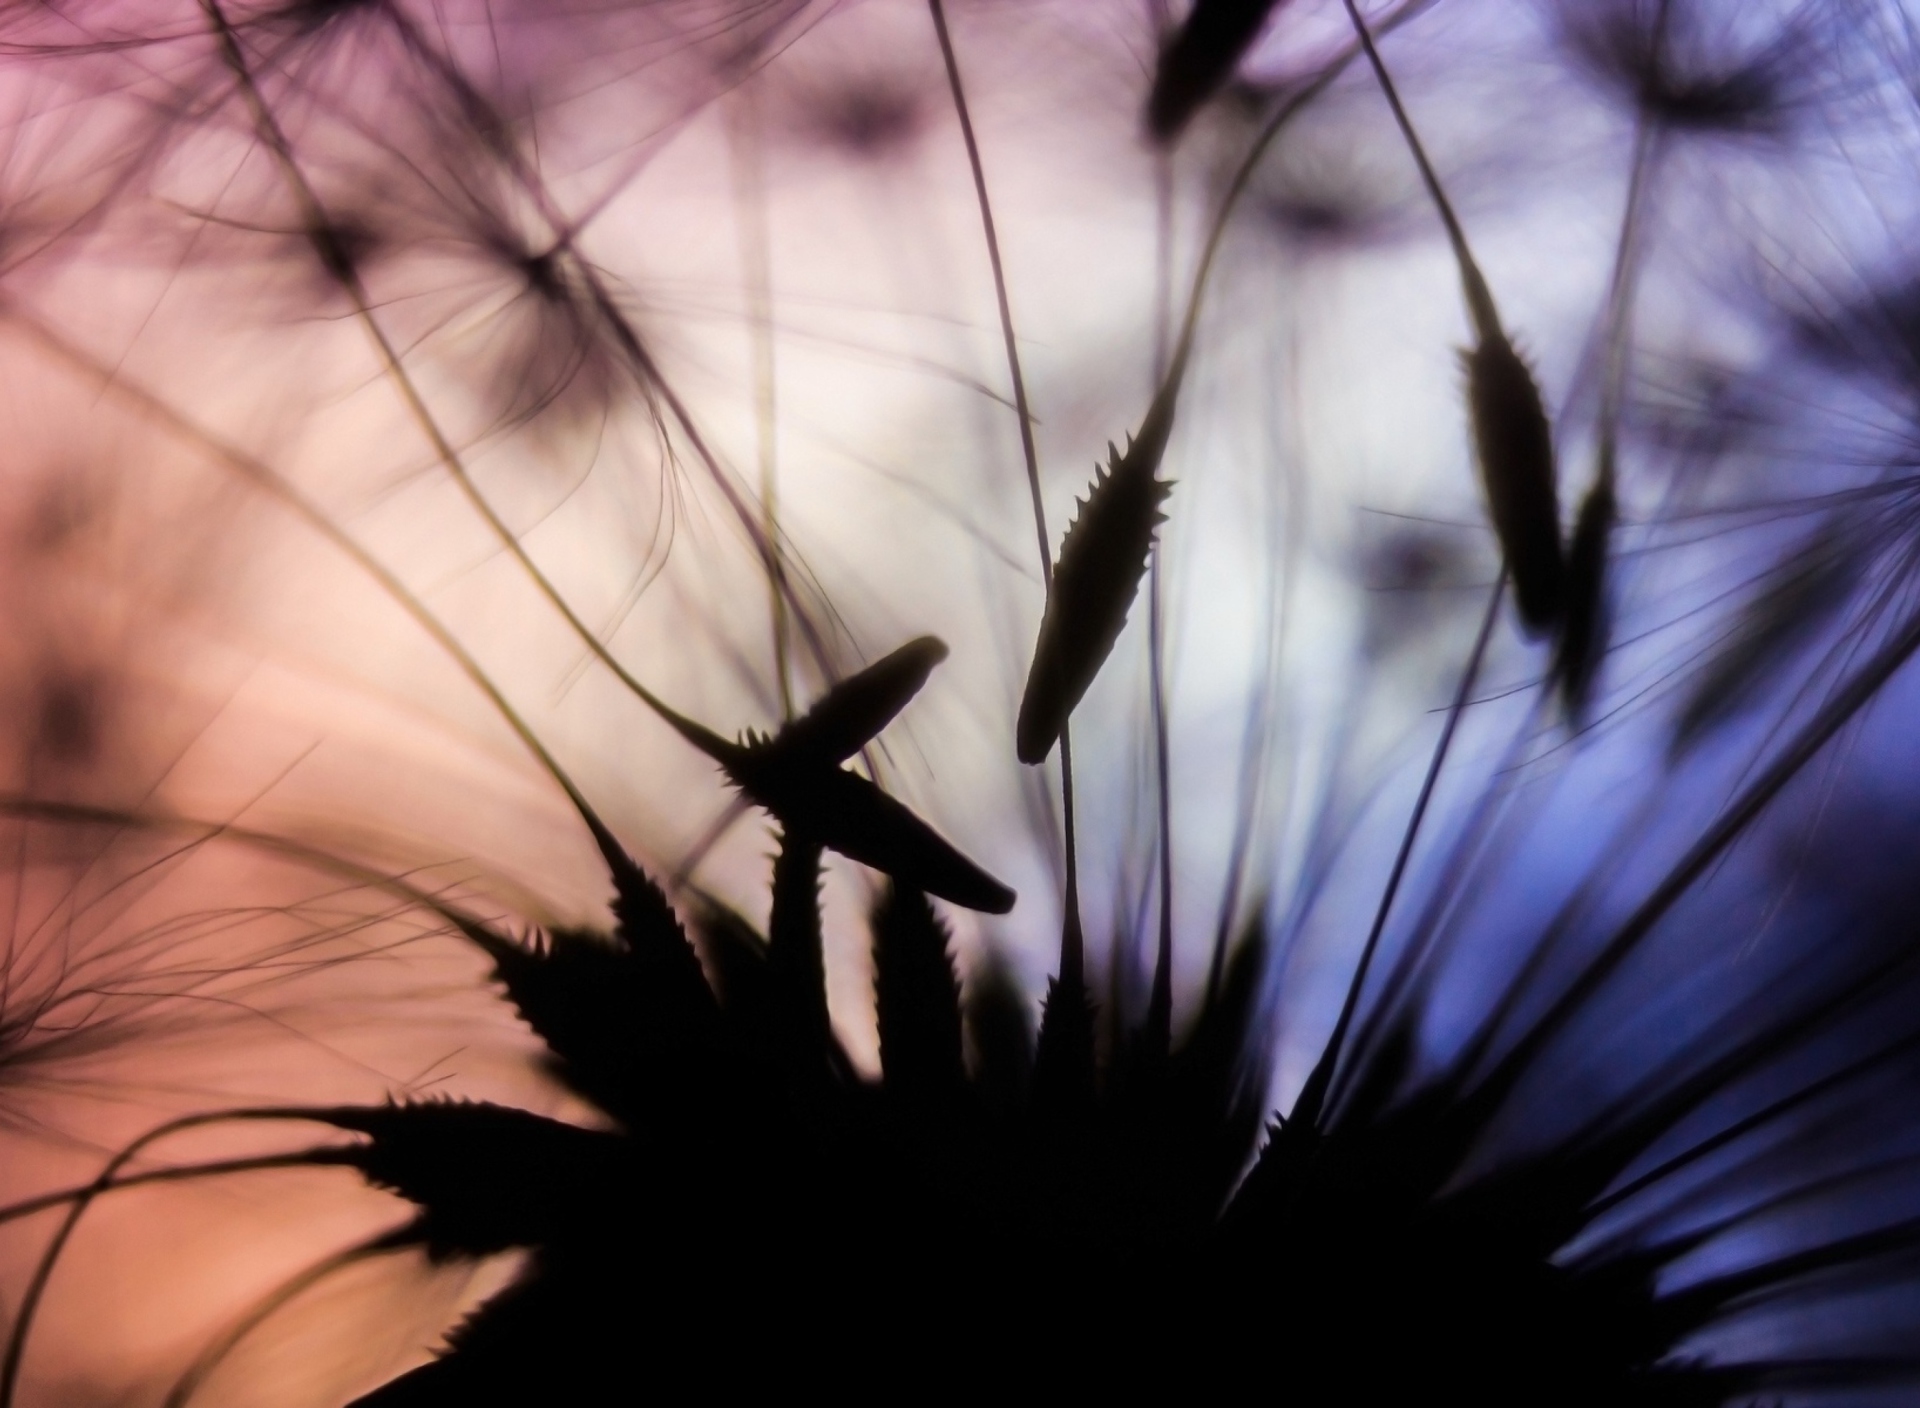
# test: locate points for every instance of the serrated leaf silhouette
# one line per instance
(795, 963)
(623, 1031)
(999, 1026)
(916, 997)
(489, 1177)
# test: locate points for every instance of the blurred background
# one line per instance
(692, 297)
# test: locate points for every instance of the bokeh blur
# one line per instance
(326, 325)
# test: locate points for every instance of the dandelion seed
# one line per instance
(1199, 58)
(1688, 66)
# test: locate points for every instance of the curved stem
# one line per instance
(744, 140)
(1020, 404)
(1160, 1000)
(340, 268)
(318, 1156)
(761, 529)
(1486, 322)
(43, 1272)
(1243, 174)
(1072, 942)
(259, 1313)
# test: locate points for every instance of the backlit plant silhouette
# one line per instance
(1568, 1056)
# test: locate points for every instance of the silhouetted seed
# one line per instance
(794, 776)
(1512, 440)
(489, 1177)
(851, 714)
(1583, 630)
(1102, 559)
(1199, 59)
(916, 996)
(1515, 449)
(647, 971)
(848, 814)
(1808, 588)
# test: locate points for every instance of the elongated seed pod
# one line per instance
(851, 714)
(847, 813)
(1515, 450)
(1513, 441)
(1102, 559)
(796, 776)
(1199, 59)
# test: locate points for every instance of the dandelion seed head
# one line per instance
(1698, 68)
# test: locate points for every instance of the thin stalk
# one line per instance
(1620, 302)
(1072, 942)
(37, 1284)
(1072, 939)
(1834, 715)
(1486, 321)
(1160, 1001)
(1283, 555)
(264, 478)
(1623, 281)
(1243, 174)
(305, 1158)
(1469, 838)
(492, 130)
(1313, 1096)
(1020, 404)
(1176, 366)
(259, 1313)
(756, 261)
